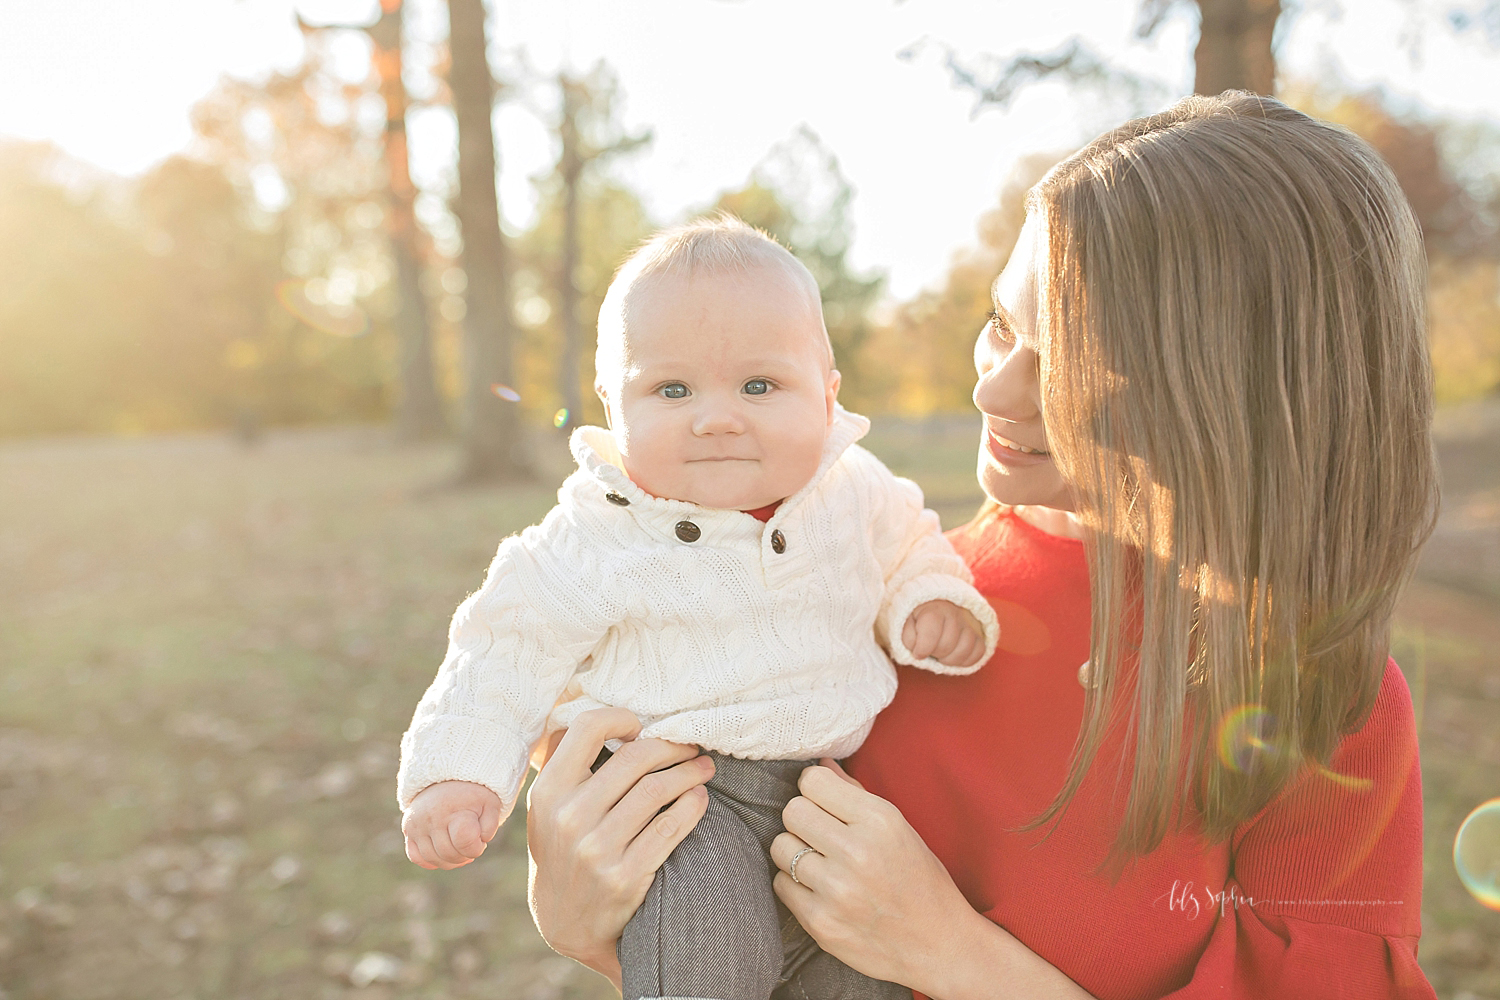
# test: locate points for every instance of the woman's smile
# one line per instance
(1013, 453)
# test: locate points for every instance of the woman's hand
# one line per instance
(873, 895)
(597, 838)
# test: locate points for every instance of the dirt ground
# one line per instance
(208, 653)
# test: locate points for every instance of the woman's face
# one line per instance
(1015, 464)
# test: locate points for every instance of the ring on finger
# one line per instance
(791, 869)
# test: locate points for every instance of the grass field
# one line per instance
(208, 653)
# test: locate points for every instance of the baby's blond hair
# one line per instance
(717, 244)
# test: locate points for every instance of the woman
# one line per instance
(1191, 769)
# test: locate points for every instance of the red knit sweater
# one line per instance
(1317, 896)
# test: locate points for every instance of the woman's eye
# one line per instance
(757, 387)
(674, 390)
(1001, 330)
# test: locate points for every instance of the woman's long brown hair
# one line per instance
(1236, 381)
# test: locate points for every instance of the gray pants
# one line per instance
(711, 926)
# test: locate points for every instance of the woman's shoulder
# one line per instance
(1391, 727)
(1382, 751)
(1343, 843)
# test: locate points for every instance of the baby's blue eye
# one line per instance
(674, 390)
(757, 387)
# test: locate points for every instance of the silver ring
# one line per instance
(791, 869)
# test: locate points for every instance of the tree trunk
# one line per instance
(494, 449)
(570, 167)
(419, 411)
(1234, 46)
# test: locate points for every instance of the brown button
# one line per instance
(617, 500)
(778, 542)
(688, 531)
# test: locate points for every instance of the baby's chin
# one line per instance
(721, 499)
(718, 493)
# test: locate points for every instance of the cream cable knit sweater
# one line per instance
(755, 640)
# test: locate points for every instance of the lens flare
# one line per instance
(560, 418)
(1244, 733)
(340, 320)
(1348, 781)
(505, 392)
(1476, 854)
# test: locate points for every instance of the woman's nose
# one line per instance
(1008, 387)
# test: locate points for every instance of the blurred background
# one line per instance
(296, 310)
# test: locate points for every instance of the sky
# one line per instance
(720, 82)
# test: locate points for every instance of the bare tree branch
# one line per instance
(996, 82)
(1484, 17)
(1152, 14)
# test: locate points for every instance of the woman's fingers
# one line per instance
(661, 835)
(843, 799)
(644, 772)
(797, 897)
(568, 790)
(598, 837)
(787, 848)
(838, 769)
(816, 826)
(574, 757)
(648, 791)
(798, 894)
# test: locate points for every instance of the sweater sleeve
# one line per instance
(513, 645)
(919, 565)
(1324, 897)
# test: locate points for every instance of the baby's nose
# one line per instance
(718, 419)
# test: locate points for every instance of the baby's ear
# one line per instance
(832, 390)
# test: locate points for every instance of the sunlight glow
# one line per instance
(113, 84)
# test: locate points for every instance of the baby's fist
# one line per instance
(946, 632)
(448, 824)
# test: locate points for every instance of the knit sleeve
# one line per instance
(919, 565)
(513, 645)
(1324, 900)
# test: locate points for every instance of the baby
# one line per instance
(731, 567)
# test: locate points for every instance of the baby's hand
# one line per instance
(448, 824)
(946, 631)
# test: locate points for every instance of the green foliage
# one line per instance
(933, 333)
(181, 299)
(307, 167)
(152, 305)
(799, 195)
(1448, 172)
(611, 222)
(72, 267)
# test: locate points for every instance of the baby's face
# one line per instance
(726, 392)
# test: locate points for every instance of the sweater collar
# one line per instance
(597, 454)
